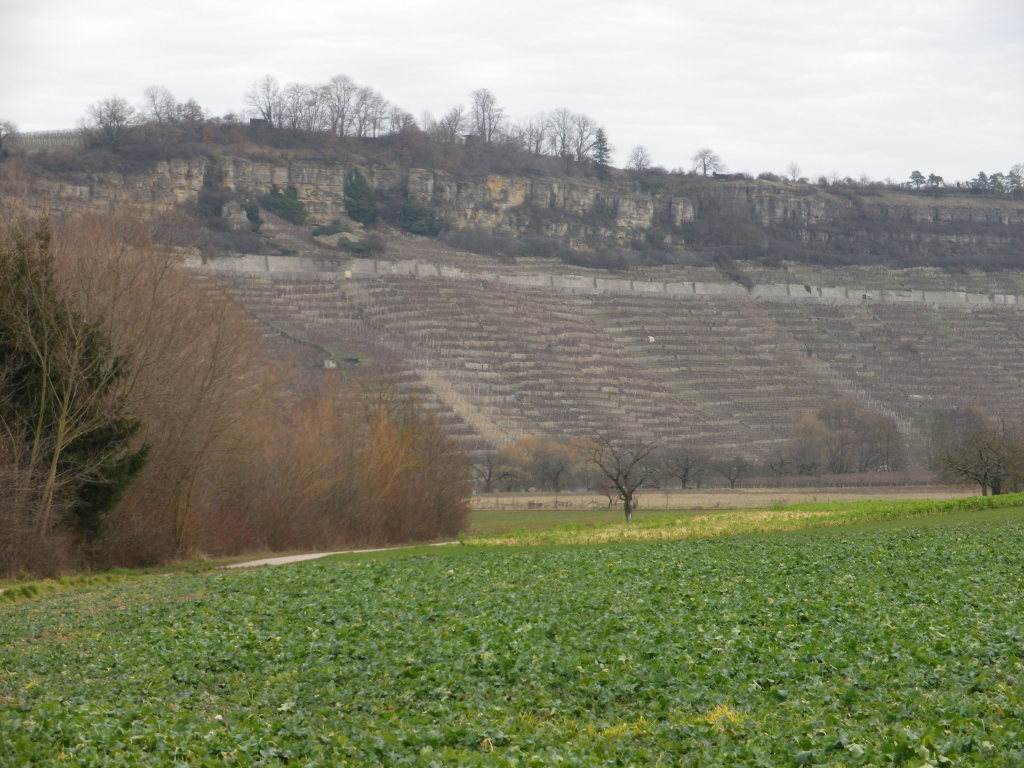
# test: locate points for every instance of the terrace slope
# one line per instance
(526, 350)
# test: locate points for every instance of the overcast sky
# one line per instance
(851, 87)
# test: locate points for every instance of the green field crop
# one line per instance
(887, 648)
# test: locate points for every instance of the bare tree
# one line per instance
(560, 133)
(843, 437)
(451, 127)
(534, 134)
(639, 159)
(947, 427)
(370, 111)
(541, 463)
(160, 105)
(552, 464)
(486, 471)
(264, 99)
(793, 170)
(399, 120)
(991, 457)
(110, 118)
(190, 376)
(303, 108)
(584, 134)
(339, 99)
(705, 162)
(627, 464)
(685, 464)
(1014, 179)
(486, 116)
(732, 469)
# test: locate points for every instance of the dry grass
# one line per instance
(684, 524)
(732, 522)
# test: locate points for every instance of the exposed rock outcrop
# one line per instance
(581, 212)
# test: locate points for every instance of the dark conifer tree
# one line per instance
(602, 155)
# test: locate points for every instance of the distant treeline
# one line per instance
(341, 108)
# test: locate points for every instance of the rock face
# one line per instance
(583, 213)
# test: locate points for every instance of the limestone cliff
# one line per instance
(581, 213)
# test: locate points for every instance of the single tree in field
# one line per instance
(917, 179)
(486, 471)
(705, 161)
(625, 463)
(602, 155)
(991, 457)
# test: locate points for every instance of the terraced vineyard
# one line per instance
(898, 648)
(732, 373)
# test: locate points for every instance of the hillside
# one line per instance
(530, 351)
(711, 311)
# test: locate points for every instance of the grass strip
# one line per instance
(790, 517)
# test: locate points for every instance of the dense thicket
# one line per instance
(66, 423)
(246, 450)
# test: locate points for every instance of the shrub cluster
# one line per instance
(285, 204)
(419, 219)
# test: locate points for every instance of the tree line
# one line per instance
(144, 418)
(1009, 184)
(842, 437)
(342, 108)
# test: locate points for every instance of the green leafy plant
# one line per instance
(252, 213)
(334, 228)
(285, 204)
(371, 246)
(360, 201)
(419, 219)
(885, 648)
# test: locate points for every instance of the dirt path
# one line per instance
(285, 559)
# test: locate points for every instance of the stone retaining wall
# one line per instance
(290, 266)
